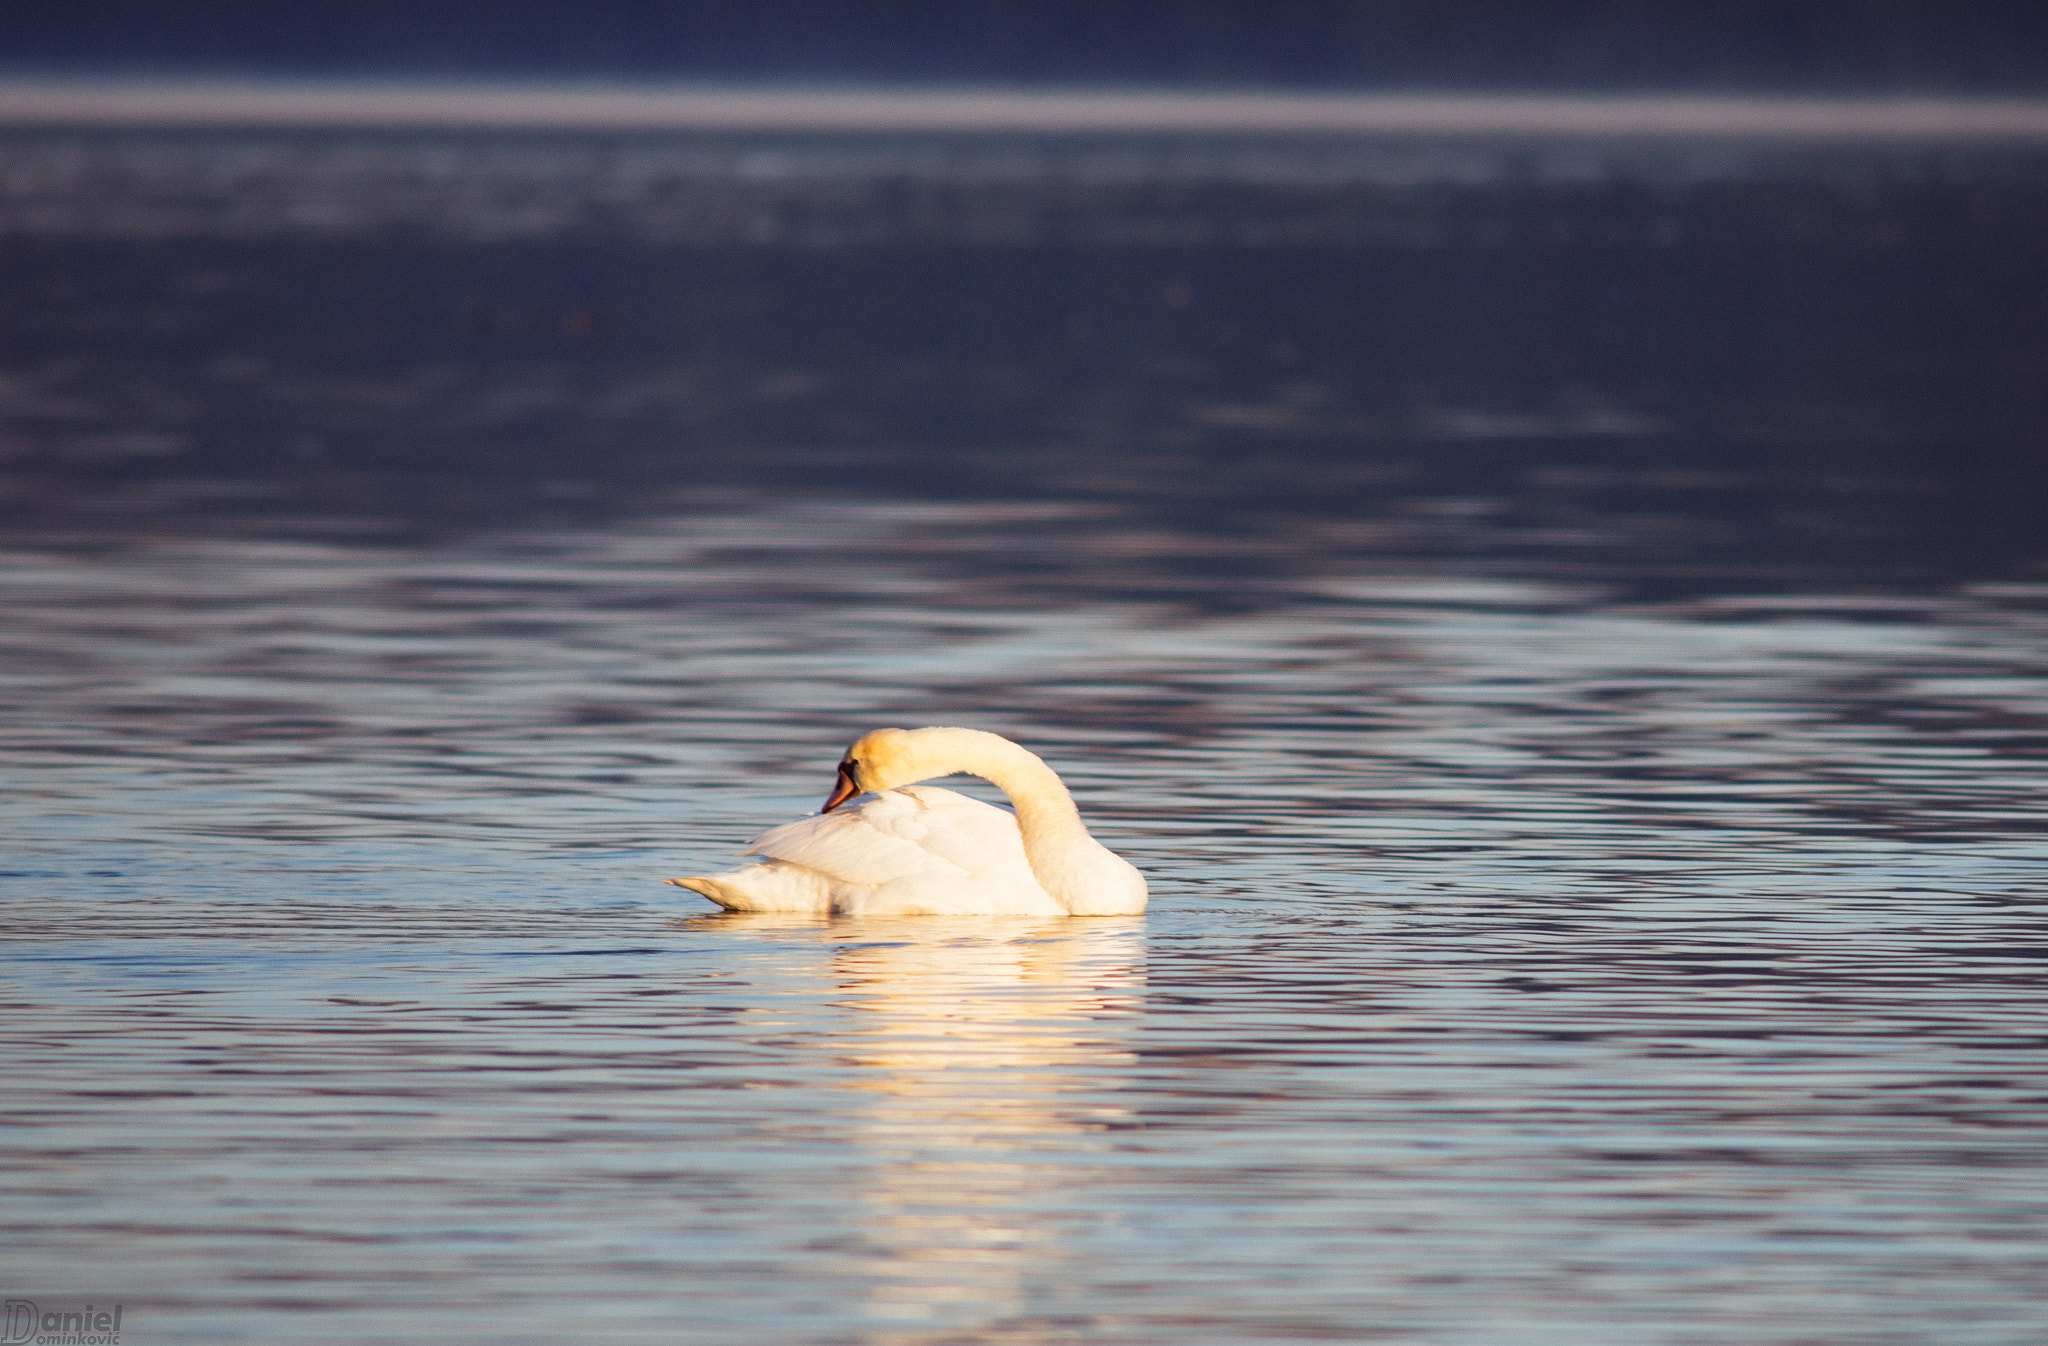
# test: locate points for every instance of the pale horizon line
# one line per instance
(450, 105)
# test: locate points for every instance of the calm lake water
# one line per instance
(1565, 634)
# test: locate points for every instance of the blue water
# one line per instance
(1594, 834)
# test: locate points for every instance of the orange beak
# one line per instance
(843, 789)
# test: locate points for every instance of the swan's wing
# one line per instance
(915, 851)
(878, 842)
(980, 838)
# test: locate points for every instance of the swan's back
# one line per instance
(897, 832)
(919, 850)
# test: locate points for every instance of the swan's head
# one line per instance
(888, 758)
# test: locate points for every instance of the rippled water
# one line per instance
(1597, 874)
(1523, 966)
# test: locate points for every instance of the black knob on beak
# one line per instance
(843, 789)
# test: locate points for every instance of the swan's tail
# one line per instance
(709, 888)
(769, 886)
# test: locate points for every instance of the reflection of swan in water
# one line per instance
(927, 851)
(979, 1058)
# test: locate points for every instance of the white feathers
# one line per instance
(913, 850)
(918, 851)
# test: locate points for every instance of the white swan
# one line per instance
(922, 851)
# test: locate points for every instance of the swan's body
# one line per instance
(923, 851)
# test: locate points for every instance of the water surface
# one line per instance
(1591, 801)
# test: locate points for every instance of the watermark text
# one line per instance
(23, 1322)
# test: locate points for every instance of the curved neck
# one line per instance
(1045, 811)
(1043, 805)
